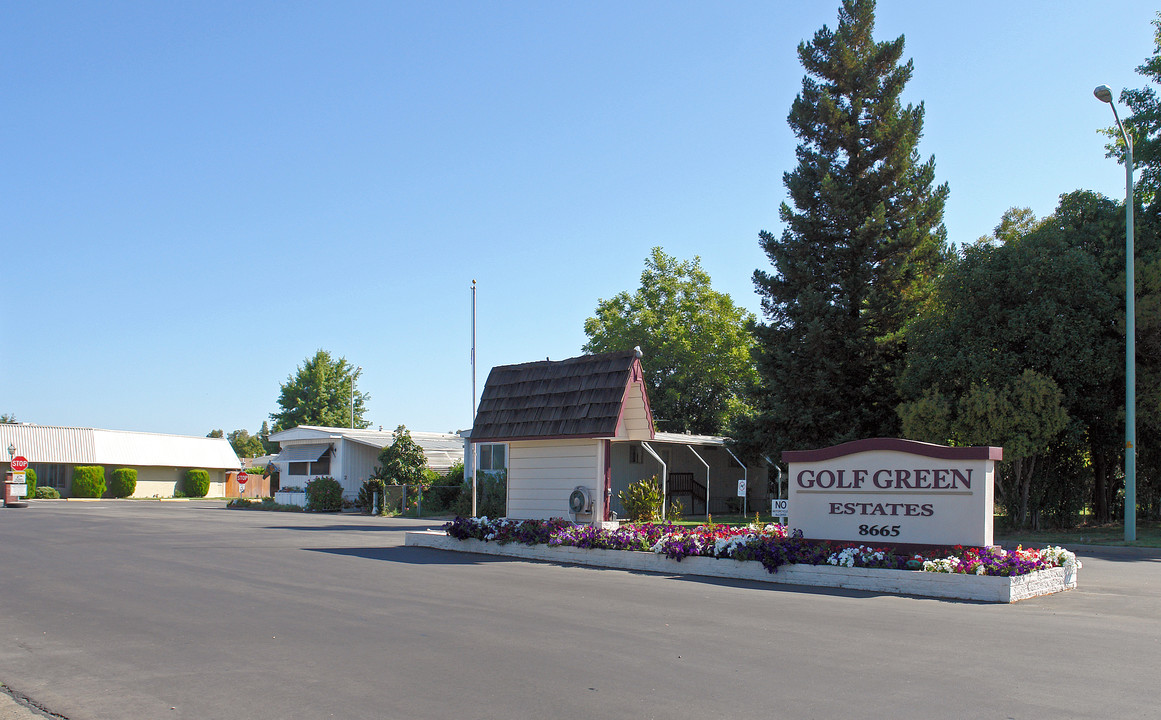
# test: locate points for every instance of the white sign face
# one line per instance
(19, 490)
(897, 491)
(779, 508)
(741, 488)
(18, 478)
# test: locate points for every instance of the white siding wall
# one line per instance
(542, 474)
(358, 461)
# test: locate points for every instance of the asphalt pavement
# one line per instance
(127, 609)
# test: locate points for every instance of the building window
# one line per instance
(492, 456)
(52, 475)
(636, 454)
(322, 466)
(297, 468)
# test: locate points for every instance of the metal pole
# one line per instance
(354, 377)
(707, 482)
(475, 459)
(1105, 94)
(746, 477)
(664, 478)
(1130, 356)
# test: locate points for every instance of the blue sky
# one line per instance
(198, 196)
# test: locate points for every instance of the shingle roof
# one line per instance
(580, 396)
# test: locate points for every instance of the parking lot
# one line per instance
(130, 609)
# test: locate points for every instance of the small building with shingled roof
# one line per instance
(585, 423)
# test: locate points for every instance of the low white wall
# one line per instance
(290, 498)
(984, 588)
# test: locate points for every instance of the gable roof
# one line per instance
(588, 396)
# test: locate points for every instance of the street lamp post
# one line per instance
(353, 379)
(1105, 94)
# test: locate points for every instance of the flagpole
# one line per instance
(474, 463)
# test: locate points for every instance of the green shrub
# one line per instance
(30, 480)
(124, 482)
(445, 492)
(196, 485)
(88, 481)
(491, 495)
(47, 493)
(642, 500)
(255, 471)
(371, 490)
(324, 494)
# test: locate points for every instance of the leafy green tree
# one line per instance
(268, 447)
(7, 419)
(1023, 415)
(695, 342)
(861, 246)
(1144, 125)
(215, 434)
(245, 445)
(1014, 223)
(403, 461)
(319, 393)
(1038, 302)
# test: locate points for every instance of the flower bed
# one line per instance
(759, 553)
(770, 545)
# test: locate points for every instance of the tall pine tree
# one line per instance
(860, 248)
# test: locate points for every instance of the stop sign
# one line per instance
(242, 478)
(19, 463)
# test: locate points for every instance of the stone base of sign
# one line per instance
(983, 588)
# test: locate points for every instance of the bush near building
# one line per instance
(123, 483)
(30, 481)
(643, 500)
(88, 481)
(197, 483)
(324, 494)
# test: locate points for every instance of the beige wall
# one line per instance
(162, 481)
(543, 473)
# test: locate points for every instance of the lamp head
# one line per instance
(1104, 93)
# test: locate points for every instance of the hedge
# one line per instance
(124, 482)
(197, 483)
(88, 481)
(30, 480)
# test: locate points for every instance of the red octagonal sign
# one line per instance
(242, 478)
(19, 463)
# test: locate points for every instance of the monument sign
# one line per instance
(898, 491)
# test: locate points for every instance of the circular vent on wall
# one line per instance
(580, 501)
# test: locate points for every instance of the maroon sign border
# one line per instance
(914, 447)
